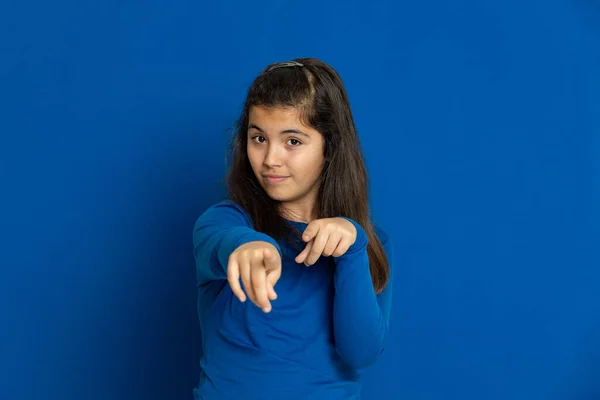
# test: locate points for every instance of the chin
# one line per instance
(278, 196)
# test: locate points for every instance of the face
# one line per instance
(287, 158)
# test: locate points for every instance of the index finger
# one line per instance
(259, 285)
(233, 277)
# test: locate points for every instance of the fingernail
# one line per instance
(266, 309)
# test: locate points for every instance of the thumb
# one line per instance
(271, 259)
(272, 278)
(271, 281)
(311, 231)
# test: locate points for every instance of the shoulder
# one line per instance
(225, 212)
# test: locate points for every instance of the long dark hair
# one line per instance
(316, 90)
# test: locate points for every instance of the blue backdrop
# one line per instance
(480, 121)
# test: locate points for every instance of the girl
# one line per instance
(294, 281)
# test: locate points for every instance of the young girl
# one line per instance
(294, 282)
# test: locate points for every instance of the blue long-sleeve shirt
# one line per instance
(326, 323)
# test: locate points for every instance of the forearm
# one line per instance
(217, 233)
(360, 325)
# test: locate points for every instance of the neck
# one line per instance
(303, 211)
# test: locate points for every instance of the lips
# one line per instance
(275, 178)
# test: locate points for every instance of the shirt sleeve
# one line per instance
(217, 233)
(361, 317)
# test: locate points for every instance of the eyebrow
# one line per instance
(296, 131)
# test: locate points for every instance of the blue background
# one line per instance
(480, 121)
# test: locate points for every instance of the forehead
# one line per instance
(275, 118)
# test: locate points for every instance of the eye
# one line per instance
(294, 142)
(259, 139)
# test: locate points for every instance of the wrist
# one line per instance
(361, 240)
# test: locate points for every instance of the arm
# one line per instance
(217, 233)
(361, 317)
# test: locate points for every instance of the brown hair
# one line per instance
(317, 91)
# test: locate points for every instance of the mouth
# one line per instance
(274, 178)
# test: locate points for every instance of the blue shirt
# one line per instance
(325, 325)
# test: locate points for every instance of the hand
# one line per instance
(328, 237)
(259, 266)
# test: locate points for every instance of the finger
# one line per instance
(342, 247)
(259, 284)
(245, 273)
(271, 259)
(272, 278)
(255, 258)
(302, 255)
(332, 244)
(311, 231)
(273, 269)
(271, 292)
(301, 258)
(317, 249)
(233, 276)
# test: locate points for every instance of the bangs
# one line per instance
(290, 87)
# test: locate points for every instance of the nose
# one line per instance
(273, 156)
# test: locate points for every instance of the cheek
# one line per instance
(253, 156)
(308, 166)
